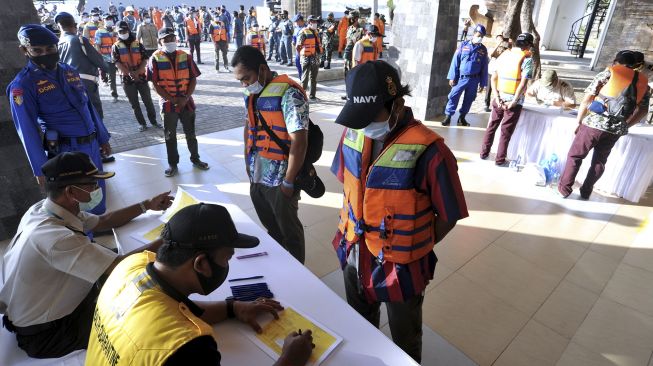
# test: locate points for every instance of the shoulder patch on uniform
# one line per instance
(16, 91)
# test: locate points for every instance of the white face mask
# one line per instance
(377, 130)
(170, 47)
(123, 36)
(108, 23)
(255, 88)
(477, 39)
(313, 26)
(96, 19)
(373, 39)
(96, 199)
(148, 20)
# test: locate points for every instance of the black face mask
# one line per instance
(48, 61)
(218, 275)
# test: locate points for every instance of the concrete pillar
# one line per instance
(425, 42)
(19, 189)
(290, 6)
(630, 28)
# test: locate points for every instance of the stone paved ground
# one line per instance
(220, 106)
(219, 100)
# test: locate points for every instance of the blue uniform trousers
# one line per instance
(285, 50)
(274, 47)
(466, 85)
(298, 64)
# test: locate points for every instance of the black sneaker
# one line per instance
(142, 128)
(502, 164)
(108, 159)
(171, 171)
(156, 125)
(200, 165)
(462, 122)
(447, 121)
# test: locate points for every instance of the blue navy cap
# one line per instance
(63, 15)
(297, 17)
(36, 35)
(481, 29)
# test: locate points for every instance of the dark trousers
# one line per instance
(63, 335)
(347, 56)
(194, 45)
(239, 40)
(274, 47)
(586, 139)
(404, 318)
(309, 73)
(285, 49)
(132, 90)
(508, 119)
(488, 94)
(110, 77)
(181, 33)
(221, 47)
(278, 214)
(94, 94)
(187, 119)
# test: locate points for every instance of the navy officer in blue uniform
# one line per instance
(50, 107)
(467, 74)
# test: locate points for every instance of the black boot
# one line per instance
(462, 121)
(321, 64)
(328, 65)
(447, 121)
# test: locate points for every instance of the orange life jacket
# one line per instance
(379, 40)
(173, 80)
(130, 56)
(509, 69)
(369, 51)
(381, 204)
(258, 41)
(311, 44)
(157, 18)
(190, 26)
(620, 78)
(92, 28)
(219, 33)
(268, 104)
(107, 39)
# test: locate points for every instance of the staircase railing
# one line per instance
(582, 27)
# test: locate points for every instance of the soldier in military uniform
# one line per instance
(329, 28)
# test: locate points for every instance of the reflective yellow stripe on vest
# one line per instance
(395, 219)
(135, 322)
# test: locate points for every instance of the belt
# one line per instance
(78, 140)
(89, 77)
(469, 76)
(28, 330)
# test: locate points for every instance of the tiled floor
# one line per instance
(527, 279)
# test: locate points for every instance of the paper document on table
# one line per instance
(149, 235)
(274, 333)
(182, 199)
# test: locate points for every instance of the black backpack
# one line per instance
(307, 179)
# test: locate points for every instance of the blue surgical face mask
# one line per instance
(476, 40)
(377, 130)
(96, 198)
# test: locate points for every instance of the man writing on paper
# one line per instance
(51, 270)
(144, 316)
(402, 195)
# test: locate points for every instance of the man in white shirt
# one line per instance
(51, 268)
(550, 90)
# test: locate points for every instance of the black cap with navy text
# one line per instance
(205, 226)
(72, 167)
(369, 87)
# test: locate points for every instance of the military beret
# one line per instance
(36, 35)
(63, 15)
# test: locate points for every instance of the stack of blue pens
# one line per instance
(251, 292)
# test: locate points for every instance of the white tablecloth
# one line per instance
(293, 285)
(542, 132)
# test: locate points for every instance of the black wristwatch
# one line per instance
(230, 308)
